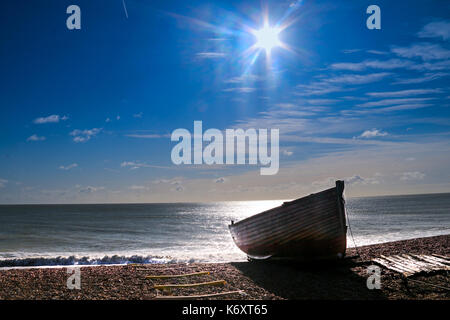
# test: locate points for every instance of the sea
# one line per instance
(96, 234)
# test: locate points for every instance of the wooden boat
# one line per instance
(309, 228)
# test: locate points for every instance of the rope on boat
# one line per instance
(351, 232)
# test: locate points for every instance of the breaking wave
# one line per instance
(88, 261)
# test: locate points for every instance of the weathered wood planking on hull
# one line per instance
(308, 228)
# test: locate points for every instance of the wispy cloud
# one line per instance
(392, 64)
(240, 90)
(317, 88)
(138, 115)
(148, 136)
(413, 175)
(133, 165)
(337, 83)
(296, 4)
(374, 64)
(390, 102)
(321, 101)
(68, 167)
(89, 189)
(176, 184)
(175, 180)
(373, 133)
(400, 107)
(245, 78)
(378, 52)
(211, 55)
(138, 188)
(425, 78)
(347, 51)
(54, 118)
(352, 180)
(3, 183)
(358, 78)
(436, 29)
(35, 137)
(220, 180)
(84, 135)
(178, 188)
(403, 93)
(287, 113)
(432, 66)
(356, 179)
(425, 51)
(286, 105)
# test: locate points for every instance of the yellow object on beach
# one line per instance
(199, 296)
(165, 276)
(189, 285)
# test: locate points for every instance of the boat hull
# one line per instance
(308, 228)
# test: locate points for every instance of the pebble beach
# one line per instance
(254, 280)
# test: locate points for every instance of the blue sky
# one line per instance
(86, 115)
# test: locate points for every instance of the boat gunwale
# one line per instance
(284, 204)
(288, 235)
(254, 233)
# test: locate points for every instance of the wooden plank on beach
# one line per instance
(406, 261)
(393, 264)
(429, 263)
(388, 265)
(433, 257)
(422, 265)
(399, 264)
(439, 260)
(402, 263)
(409, 264)
(198, 296)
(190, 285)
(444, 259)
(165, 276)
(440, 256)
(437, 264)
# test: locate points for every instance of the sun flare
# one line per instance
(267, 37)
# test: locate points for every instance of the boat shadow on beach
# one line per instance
(295, 280)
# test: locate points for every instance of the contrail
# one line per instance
(125, 8)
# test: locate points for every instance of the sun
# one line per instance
(267, 37)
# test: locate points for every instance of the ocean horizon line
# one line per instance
(219, 201)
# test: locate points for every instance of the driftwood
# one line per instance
(165, 276)
(442, 258)
(198, 296)
(432, 259)
(389, 265)
(430, 284)
(190, 285)
(409, 264)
